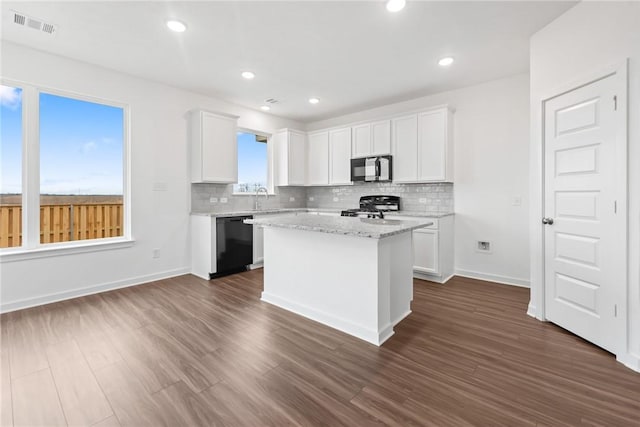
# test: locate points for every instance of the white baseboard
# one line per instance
(400, 318)
(259, 264)
(431, 278)
(531, 310)
(6, 307)
(346, 326)
(630, 360)
(496, 278)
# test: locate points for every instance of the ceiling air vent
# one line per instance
(33, 23)
(19, 19)
(270, 101)
(48, 28)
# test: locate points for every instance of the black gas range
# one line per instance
(374, 207)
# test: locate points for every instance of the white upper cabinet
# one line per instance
(361, 140)
(404, 134)
(381, 137)
(318, 158)
(214, 147)
(340, 156)
(290, 157)
(435, 149)
(371, 139)
(423, 147)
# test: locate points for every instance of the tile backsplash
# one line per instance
(414, 197)
(201, 194)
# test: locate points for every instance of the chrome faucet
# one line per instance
(266, 193)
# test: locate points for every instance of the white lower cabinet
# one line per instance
(258, 245)
(425, 251)
(432, 249)
(203, 245)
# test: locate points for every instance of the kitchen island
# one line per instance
(353, 274)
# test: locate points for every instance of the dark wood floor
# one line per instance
(185, 351)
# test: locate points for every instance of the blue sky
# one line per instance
(252, 160)
(81, 146)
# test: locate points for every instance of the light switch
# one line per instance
(213, 200)
(223, 200)
(516, 201)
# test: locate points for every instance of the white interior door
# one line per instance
(584, 257)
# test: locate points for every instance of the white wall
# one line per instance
(158, 154)
(491, 132)
(588, 37)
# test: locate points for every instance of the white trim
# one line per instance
(66, 248)
(495, 278)
(371, 336)
(90, 290)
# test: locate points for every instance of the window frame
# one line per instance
(270, 162)
(31, 246)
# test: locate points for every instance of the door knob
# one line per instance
(547, 221)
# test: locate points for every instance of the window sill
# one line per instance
(64, 248)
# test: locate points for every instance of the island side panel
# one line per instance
(330, 278)
(401, 275)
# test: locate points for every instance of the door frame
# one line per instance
(537, 231)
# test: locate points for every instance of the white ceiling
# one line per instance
(351, 55)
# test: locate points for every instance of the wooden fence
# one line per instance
(62, 223)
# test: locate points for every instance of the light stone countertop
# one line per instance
(409, 214)
(346, 226)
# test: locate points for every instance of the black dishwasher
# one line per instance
(234, 245)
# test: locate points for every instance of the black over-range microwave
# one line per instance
(371, 169)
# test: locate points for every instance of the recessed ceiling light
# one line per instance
(313, 100)
(445, 62)
(265, 108)
(396, 5)
(177, 26)
(248, 75)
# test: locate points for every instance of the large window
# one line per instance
(10, 166)
(79, 164)
(252, 163)
(81, 169)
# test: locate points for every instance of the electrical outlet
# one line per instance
(292, 199)
(223, 200)
(213, 200)
(422, 200)
(311, 199)
(516, 201)
(156, 253)
(335, 199)
(483, 247)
